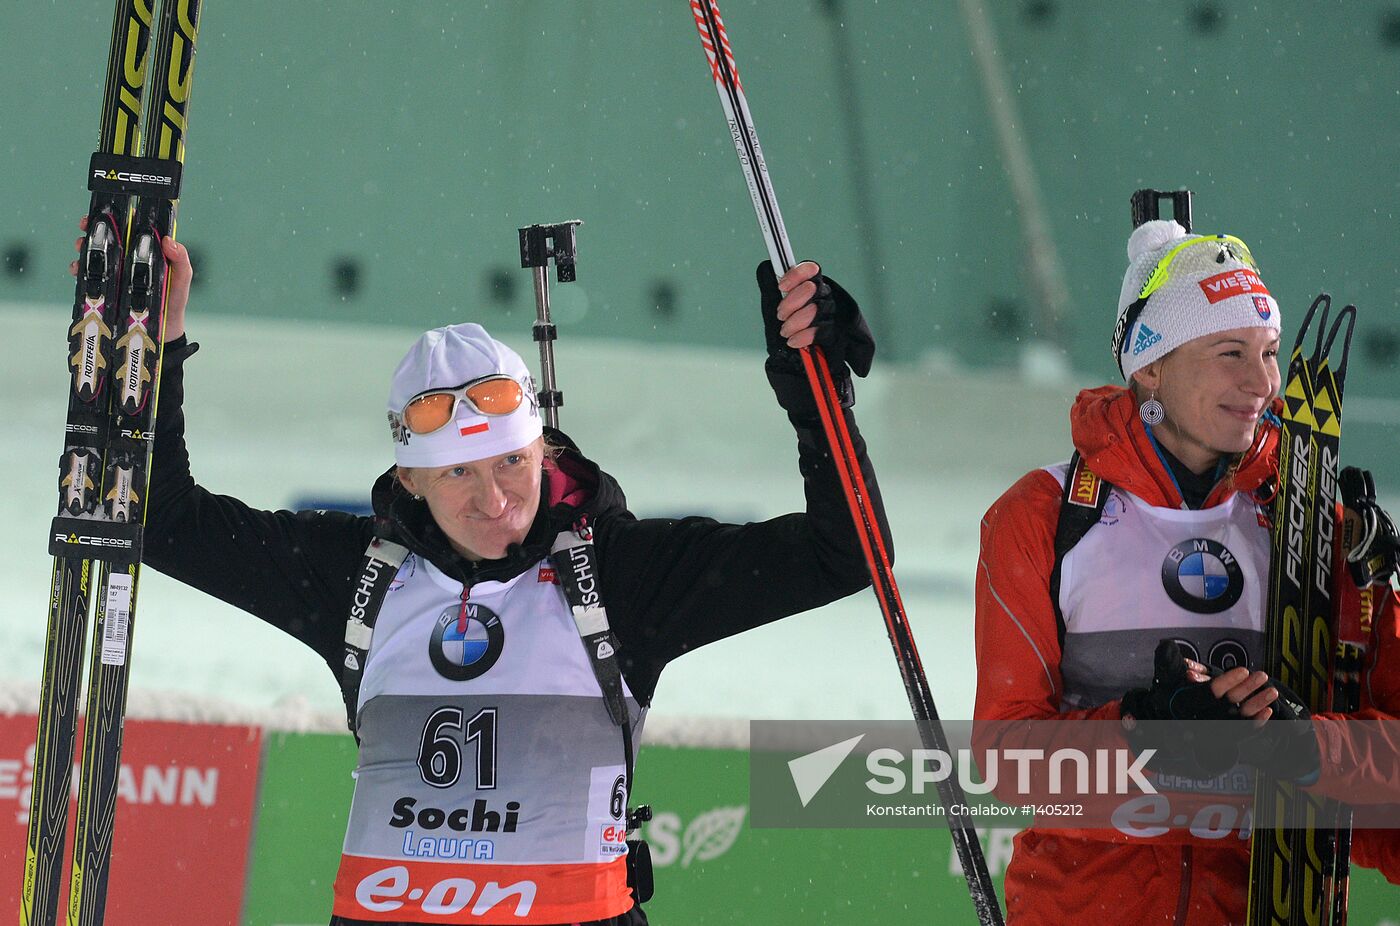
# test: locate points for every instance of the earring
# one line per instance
(1151, 411)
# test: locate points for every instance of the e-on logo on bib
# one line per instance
(1202, 576)
(466, 642)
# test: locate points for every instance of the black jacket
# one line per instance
(669, 585)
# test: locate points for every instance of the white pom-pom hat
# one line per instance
(1180, 287)
(446, 358)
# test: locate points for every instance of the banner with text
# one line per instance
(185, 805)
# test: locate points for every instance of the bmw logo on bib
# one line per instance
(1202, 576)
(465, 645)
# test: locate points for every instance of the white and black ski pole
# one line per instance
(539, 243)
(867, 522)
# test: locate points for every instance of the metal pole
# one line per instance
(544, 334)
(539, 243)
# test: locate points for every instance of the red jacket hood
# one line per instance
(1113, 441)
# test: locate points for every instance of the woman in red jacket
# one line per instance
(1180, 552)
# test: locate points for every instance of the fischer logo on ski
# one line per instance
(1322, 568)
(1297, 514)
(1299, 849)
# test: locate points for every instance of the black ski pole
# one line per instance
(931, 733)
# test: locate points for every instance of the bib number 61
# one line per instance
(440, 753)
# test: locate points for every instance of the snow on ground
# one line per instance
(283, 413)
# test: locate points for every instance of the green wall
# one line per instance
(413, 138)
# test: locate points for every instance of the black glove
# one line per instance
(1194, 750)
(841, 330)
(1368, 533)
(1285, 746)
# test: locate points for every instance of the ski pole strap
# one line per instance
(576, 562)
(1081, 505)
(382, 561)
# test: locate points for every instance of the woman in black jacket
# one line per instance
(498, 626)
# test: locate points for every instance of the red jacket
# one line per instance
(1058, 877)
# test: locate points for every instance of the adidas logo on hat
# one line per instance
(1146, 337)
